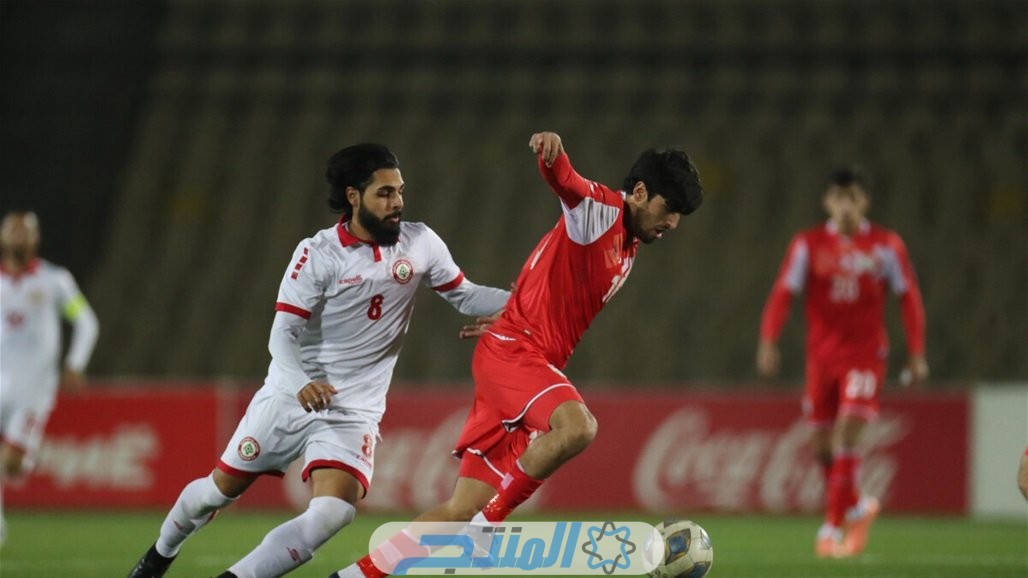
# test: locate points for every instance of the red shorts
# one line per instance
(842, 389)
(516, 390)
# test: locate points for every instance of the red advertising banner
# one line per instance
(121, 447)
(670, 451)
(661, 451)
(745, 452)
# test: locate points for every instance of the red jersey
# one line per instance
(574, 270)
(845, 280)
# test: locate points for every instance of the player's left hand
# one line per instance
(477, 329)
(72, 381)
(915, 372)
(315, 396)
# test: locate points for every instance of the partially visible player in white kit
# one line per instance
(34, 296)
(343, 307)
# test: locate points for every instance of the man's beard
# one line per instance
(382, 231)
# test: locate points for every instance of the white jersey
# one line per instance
(32, 304)
(347, 305)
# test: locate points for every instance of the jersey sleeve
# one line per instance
(590, 209)
(446, 278)
(302, 289)
(902, 279)
(570, 186)
(443, 273)
(85, 326)
(303, 285)
(790, 281)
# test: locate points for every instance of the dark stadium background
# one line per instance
(175, 152)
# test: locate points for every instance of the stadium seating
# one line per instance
(250, 98)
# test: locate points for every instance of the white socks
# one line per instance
(294, 542)
(194, 508)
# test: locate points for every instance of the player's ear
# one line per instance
(353, 196)
(640, 193)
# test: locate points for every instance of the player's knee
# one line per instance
(11, 470)
(228, 485)
(12, 464)
(582, 437)
(328, 515)
(575, 425)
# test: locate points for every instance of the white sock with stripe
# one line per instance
(294, 542)
(195, 506)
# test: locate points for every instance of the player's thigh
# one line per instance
(572, 414)
(820, 396)
(336, 483)
(532, 395)
(859, 390)
(232, 485)
(269, 437)
(22, 435)
(344, 442)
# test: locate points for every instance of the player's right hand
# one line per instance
(547, 145)
(478, 328)
(315, 396)
(768, 359)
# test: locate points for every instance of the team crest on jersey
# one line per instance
(248, 449)
(403, 271)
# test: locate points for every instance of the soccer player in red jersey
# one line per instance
(527, 418)
(844, 268)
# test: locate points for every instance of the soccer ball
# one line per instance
(688, 552)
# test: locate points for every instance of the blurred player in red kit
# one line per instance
(528, 419)
(844, 268)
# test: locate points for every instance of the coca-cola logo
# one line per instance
(120, 460)
(688, 462)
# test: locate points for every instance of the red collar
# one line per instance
(347, 239)
(30, 268)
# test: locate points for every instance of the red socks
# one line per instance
(389, 553)
(516, 487)
(826, 471)
(842, 487)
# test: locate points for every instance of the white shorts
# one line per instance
(276, 431)
(22, 428)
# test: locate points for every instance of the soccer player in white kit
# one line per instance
(343, 307)
(34, 296)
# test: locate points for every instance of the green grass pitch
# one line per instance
(106, 545)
